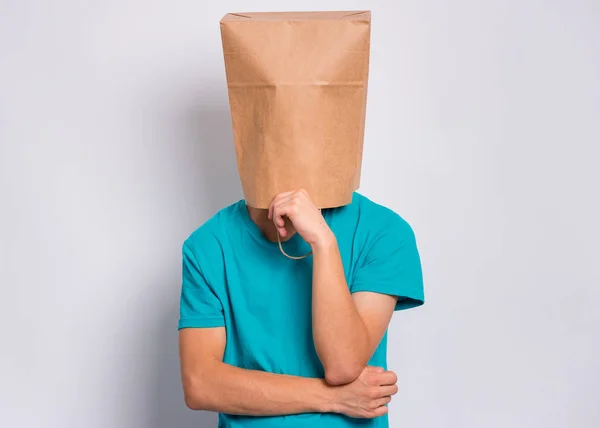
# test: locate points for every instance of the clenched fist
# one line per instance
(304, 215)
(368, 395)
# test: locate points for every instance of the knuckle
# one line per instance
(371, 375)
(371, 381)
(372, 393)
(376, 379)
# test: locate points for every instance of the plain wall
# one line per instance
(116, 143)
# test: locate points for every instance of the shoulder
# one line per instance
(206, 241)
(377, 219)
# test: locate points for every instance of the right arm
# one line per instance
(211, 384)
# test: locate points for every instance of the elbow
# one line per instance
(193, 402)
(195, 395)
(342, 375)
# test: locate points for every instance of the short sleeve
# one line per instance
(199, 304)
(392, 265)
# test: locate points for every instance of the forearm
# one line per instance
(228, 389)
(340, 336)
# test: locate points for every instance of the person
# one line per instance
(270, 341)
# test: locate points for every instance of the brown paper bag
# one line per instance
(297, 86)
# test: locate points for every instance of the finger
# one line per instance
(380, 411)
(285, 207)
(275, 200)
(303, 195)
(277, 219)
(281, 230)
(285, 200)
(374, 369)
(388, 390)
(279, 212)
(281, 195)
(279, 224)
(387, 378)
(381, 401)
(271, 206)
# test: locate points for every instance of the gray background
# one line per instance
(482, 131)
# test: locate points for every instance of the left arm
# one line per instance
(347, 328)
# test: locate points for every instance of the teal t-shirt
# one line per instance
(234, 277)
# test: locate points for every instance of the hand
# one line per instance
(368, 395)
(303, 214)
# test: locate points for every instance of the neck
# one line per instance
(261, 218)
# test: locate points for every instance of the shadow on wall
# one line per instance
(207, 155)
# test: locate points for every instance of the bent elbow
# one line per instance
(341, 375)
(193, 395)
(193, 402)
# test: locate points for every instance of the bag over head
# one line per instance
(297, 84)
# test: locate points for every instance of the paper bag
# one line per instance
(297, 85)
